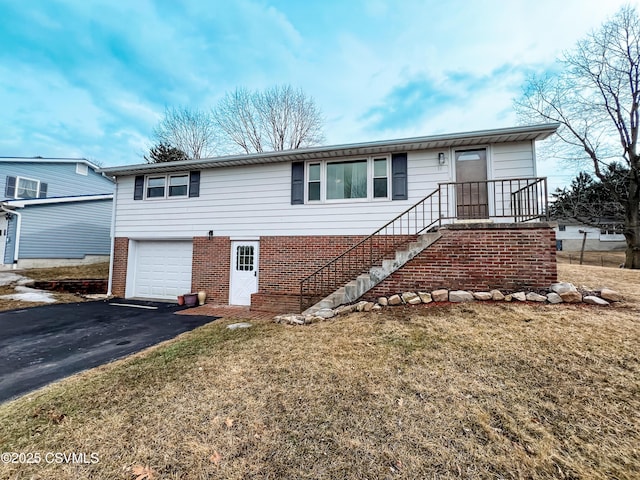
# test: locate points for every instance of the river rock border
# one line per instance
(562, 292)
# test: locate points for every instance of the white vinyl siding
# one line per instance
(255, 200)
(512, 160)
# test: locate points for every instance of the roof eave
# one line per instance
(502, 135)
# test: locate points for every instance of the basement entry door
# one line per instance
(244, 272)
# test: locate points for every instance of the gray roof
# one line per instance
(502, 135)
(50, 160)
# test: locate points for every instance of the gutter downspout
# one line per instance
(113, 238)
(16, 249)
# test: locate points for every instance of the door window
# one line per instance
(244, 258)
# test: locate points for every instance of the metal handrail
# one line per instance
(523, 199)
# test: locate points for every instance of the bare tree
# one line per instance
(595, 98)
(190, 131)
(279, 118)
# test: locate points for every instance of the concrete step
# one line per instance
(354, 289)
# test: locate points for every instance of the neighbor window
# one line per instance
(611, 229)
(168, 186)
(27, 188)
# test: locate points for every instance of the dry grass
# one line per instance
(599, 259)
(95, 270)
(467, 391)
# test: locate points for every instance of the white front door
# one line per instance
(244, 272)
(4, 230)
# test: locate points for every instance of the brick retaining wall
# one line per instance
(479, 257)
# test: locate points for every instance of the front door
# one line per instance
(471, 180)
(244, 272)
(4, 229)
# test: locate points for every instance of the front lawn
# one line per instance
(468, 391)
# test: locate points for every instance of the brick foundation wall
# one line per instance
(479, 257)
(284, 261)
(211, 268)
(120, 256)
(275, 302)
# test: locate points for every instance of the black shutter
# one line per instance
(297, 183)
(10, 187)
(399, 176)
(43, 190)
(194, 184)
(138, 191)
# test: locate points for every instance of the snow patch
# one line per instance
(27, 294)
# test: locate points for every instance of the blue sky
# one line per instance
(91, 78)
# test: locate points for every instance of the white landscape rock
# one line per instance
(383, 301)
(562, 287)
(520, 296)
(483, 296)
(496, 295)
(458, 296)
(411, 298)
(440, 295)
(610, 295)
(593, 300)
(344, 309)
(325, 313)
(236, 326)
(425, 297)
(554, 298)
(571, 296)
(395, 300)
(361, 305)
(535, 297)
(291, 319)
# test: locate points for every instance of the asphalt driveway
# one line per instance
(42, 344)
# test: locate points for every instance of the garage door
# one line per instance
(163, 269)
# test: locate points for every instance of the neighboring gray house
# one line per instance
(608, 237)
(53, 211)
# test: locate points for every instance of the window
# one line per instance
(380, 178)
(82, 169)
(562, 228)
(612, 229)
(155, 187)
(244, 258)
(314, 182)
(178, 185)
(365, 178)
(168, 186)
(347, 180)
(27, 188)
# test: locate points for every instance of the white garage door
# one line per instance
(163, 269)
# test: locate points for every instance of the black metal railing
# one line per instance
(523, 199)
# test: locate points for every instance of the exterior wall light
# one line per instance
(441, 158)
